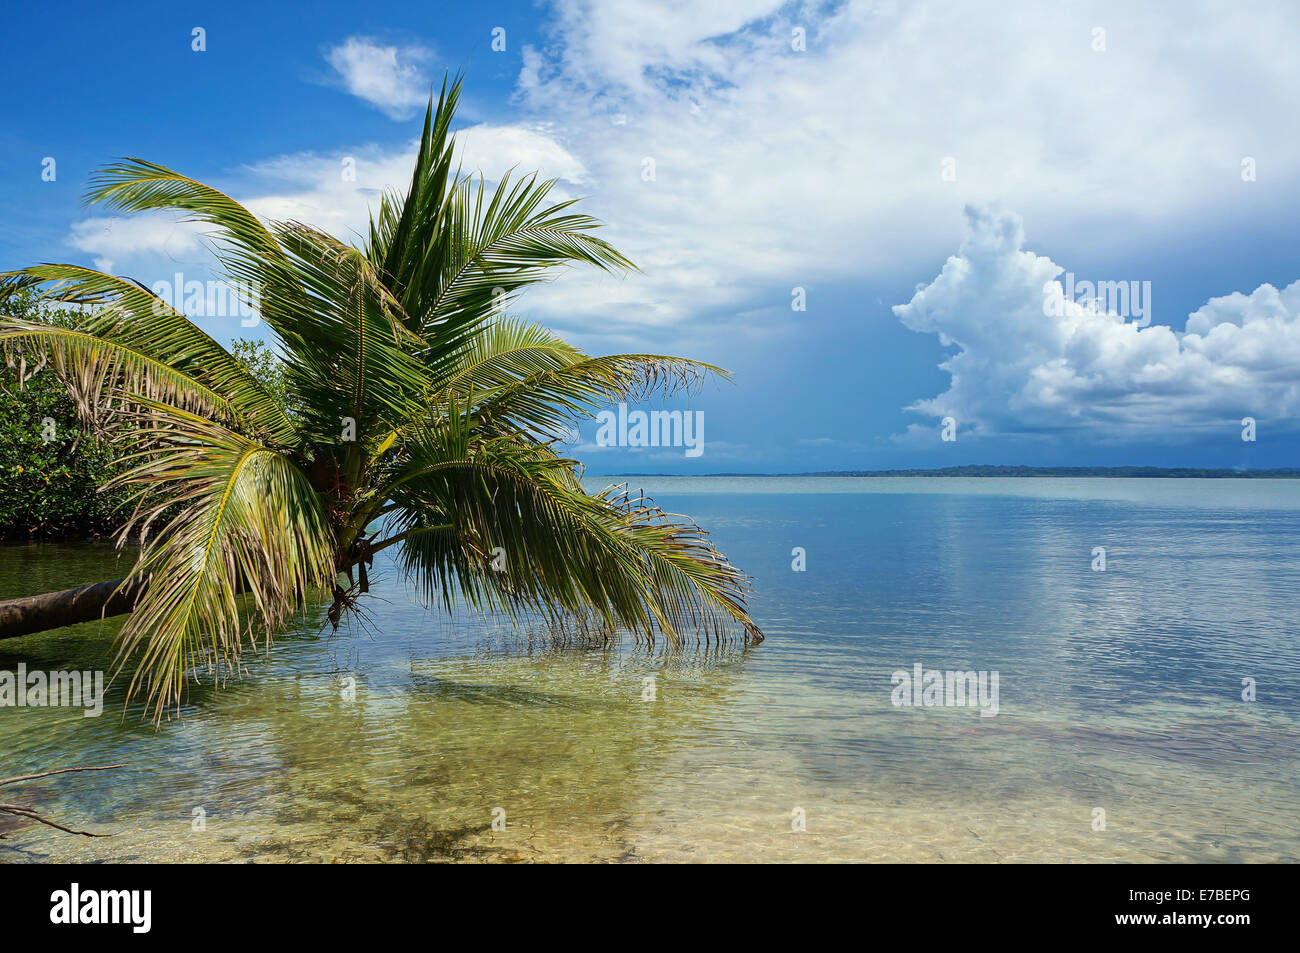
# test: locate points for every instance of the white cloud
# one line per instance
(491, 150)
(157, 235)
(393, 79)
(330, 191)
(776, 168)
(1026, 367)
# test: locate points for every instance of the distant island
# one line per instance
(985, 470)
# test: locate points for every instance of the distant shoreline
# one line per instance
(1176, 473)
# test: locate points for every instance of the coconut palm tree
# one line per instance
(419, 417)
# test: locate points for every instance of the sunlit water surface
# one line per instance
(1118, 690)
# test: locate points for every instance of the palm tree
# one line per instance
(419, 417)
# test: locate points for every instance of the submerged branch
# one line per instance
(21, 810)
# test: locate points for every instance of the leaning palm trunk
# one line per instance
(67, 607)
(419, 417)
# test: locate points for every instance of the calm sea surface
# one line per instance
(1119, 699)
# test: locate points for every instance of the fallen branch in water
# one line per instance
(19, 810)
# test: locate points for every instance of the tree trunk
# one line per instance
(67, 607)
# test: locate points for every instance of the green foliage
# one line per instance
(51, 467)
(266, 368)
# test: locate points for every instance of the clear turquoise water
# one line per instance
(1118, 690)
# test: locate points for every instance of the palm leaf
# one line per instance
(101, 375)
(462, 499)
(248, 523)
(129, 314)
(134, 185)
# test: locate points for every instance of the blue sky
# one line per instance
(924, 172)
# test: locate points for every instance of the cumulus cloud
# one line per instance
(1032, 360)
(775, 167)
(490, 150)
(393, 79)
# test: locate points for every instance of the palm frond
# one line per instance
(134, 185)
(103, 375)
(349, 348)
(127, 313)
(500, 245)
(453, 254)
(463, 502)
(528, 379)
(248, 524)
(407, 239)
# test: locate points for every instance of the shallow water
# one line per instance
(1119, 690)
